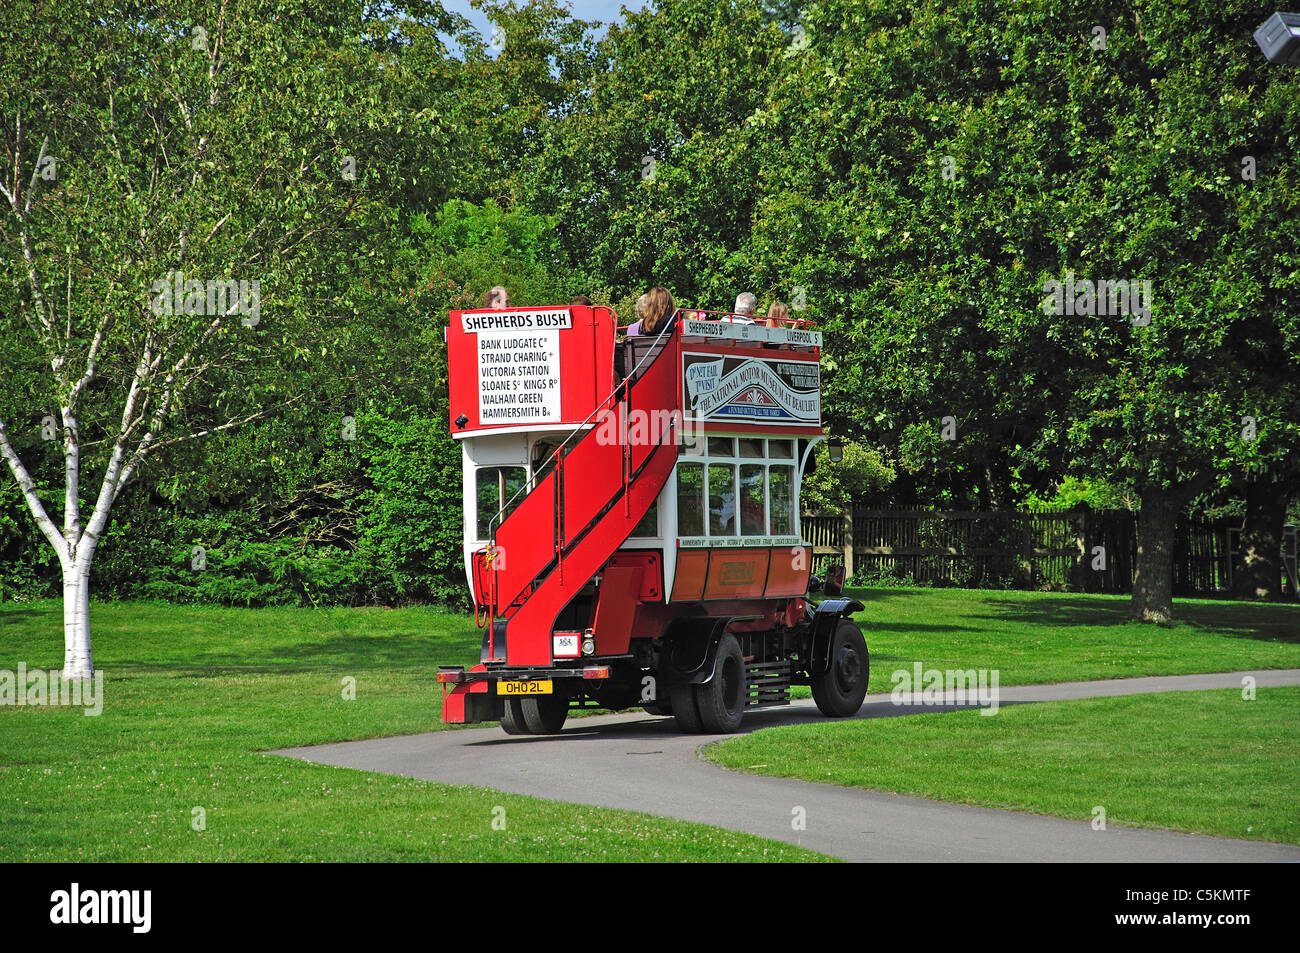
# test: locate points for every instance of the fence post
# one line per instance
(847, 530)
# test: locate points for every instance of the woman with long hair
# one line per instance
(778, 315)
(659, 310)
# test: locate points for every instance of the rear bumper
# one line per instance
(471, 696)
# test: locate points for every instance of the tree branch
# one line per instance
(28, 487)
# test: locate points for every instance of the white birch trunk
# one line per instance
(75, 546)
(77, 659)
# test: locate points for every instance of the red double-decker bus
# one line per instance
(631, 526)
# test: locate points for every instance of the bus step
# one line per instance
(768, 683)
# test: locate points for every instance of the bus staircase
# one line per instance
(590, 500)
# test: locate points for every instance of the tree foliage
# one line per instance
(910, 179)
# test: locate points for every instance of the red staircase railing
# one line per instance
(573, 520)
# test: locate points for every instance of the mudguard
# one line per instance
(696, 654)
(825, 617)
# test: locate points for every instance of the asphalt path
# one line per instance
(638, 762)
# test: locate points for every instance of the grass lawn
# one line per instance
(191, 694)
(1035, 638)
(1193, 761)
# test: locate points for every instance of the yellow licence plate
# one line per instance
(541, 686)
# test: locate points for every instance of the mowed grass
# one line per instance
(1208, 761)
(191, 696)
(193, 693)
(1035, 638)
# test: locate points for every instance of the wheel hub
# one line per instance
(847, 668)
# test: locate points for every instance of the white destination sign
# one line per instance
(518, 364)
(537, 319)
(736, 331)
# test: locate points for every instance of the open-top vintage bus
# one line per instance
(631, 520)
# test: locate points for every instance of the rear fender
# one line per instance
(690, 652)
(471, 703)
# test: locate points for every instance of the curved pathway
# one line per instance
(638, 762)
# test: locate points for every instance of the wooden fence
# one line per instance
(1084, 550)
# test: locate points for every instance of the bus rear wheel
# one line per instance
(682, 701)
(545, 714)
(840, 689)
(512, 722)
(721, 700)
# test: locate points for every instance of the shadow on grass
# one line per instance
(877, 594)
(868, 626)
(406, 652)
(14, 616)
(1243, 620)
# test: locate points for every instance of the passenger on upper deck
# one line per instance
(635, 327)
(778, 315)
(580, 301)
(745, 305)
(658, 309)
(497, 299)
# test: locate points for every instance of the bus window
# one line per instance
(495, 486)
(780, 450)
(690, 499)
(649, 525)
(751, 448)
(753, 493)
(722, 498)
(782, 500)
(722, 447)
(543, 460)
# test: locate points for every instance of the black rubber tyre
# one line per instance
(662, 707)
(512, 722)
(682, 699)
(839, 690)
(721, 700)
(545, 714)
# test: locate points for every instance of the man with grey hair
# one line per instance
(745, 305)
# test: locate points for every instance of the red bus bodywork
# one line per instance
(594, 447)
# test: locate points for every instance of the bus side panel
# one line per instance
(737, 574)
(788, 575)
(692, 570)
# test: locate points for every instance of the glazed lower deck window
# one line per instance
(747, 495)
(494, 486)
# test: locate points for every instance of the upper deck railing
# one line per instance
(735, 317)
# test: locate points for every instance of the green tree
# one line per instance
(949, 161)
(182, 192)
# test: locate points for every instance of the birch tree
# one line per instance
(178, 183)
